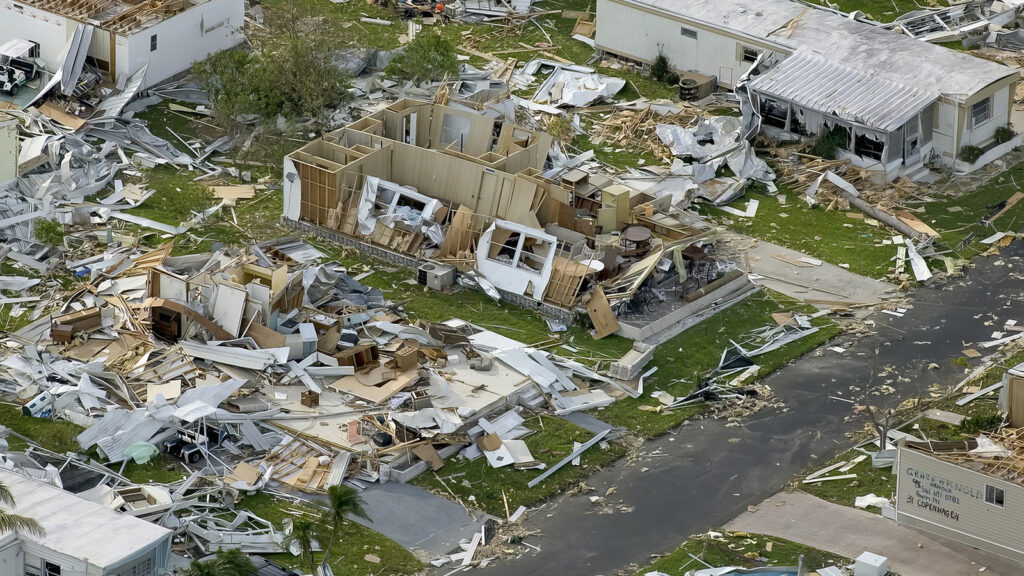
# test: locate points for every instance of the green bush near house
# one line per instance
(1004, 134)
(660, 68)
(970, 154)
(981, 423)
(828, 142)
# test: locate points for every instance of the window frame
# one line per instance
(987, 102)
(998, 502)
(744, 50)
(153, 42)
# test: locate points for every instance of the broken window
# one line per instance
(913, 136)
(50, 569)
(688, 32)
(994, 496)
(798, 123)
(837, 135)
(867, 146)
(152, 43)
(504, 244)
(505, 248)
(750, 54)
(981, 111)
(774, 113)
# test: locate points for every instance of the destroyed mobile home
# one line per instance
(456, 191)
(115, 39)
(266, 366)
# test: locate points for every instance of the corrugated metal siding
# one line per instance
(636, 34)
(949, 500)
(816, 83)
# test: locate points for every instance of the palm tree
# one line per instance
(12, 522)
(227, 563)
(304, 534)
(342, 501)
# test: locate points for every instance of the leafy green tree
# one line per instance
(226, 563)
(290, 71)
(342, 501)
(10, 522)
(231, 79)
(427, 57)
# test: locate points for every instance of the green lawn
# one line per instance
(741, 549)
(175, 196)
(683, 361)
(348, 553)
(828, 235)
(975, 205)
(56, 435)
(878, 10)
(551, 442)
(869, 480)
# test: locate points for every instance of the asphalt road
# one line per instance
(708, 473)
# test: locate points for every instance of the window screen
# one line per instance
(981, 112)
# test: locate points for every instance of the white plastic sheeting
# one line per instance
(398, 201)
(576, 89)
(714, 142)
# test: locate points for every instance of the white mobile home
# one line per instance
(165, 35)
(971, 497)
(893, 101)
(82, 538)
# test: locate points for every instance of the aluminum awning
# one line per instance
(815, 83)
(16, 48)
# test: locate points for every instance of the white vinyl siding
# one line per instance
(950, 500)
(639, 35)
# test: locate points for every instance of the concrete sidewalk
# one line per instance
(809, 520)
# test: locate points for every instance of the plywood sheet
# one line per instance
(601, 314)
(915, 223)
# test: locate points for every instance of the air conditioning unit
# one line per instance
(436, 276)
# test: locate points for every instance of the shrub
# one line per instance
(428, 57)
(970, 154)
(49, 232)
(660, 69)
(828, 142)
(981, 423)
(672, 79)
(1004, 134)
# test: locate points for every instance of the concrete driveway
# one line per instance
(826, 284)
(803, 518)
